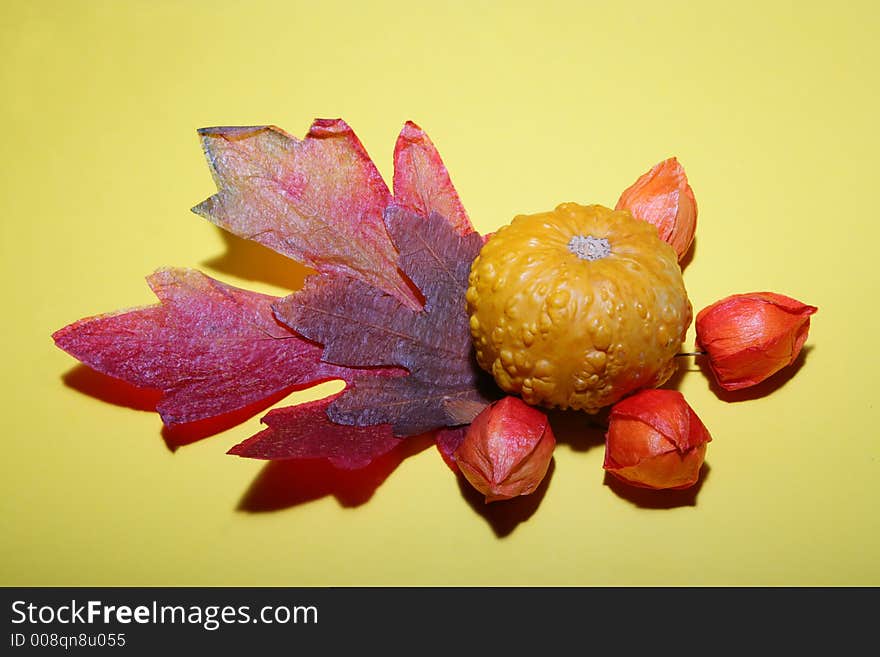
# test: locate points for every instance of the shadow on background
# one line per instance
(283, 484)
(504, 516)
(648, 498)
(579, 430)
(770, 385)
(87, 381)
(180, 435)
(252, 261)
(575, 429)
(103, 387)
(683, 367)
(689, 256)
(280, 484)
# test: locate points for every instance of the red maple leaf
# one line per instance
(209, 347)
(212, 348)
(359, 326)
(305, 432)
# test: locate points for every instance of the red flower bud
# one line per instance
(749, 337)
(655, 440)
(506, 450)
(664, 198)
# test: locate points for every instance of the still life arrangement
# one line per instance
(438, 330)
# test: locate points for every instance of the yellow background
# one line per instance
(771, 107)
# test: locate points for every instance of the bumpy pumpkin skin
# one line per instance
(564, 331)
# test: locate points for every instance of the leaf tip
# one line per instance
(59, 335)
(411, 131)
(232, 132)
(203, 209)
(329, 128)
(236, 450)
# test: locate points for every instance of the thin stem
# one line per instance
(692, 353)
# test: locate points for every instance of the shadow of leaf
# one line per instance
(105, 388)
(648, 498)
(504, 516)
(181, 435)
(93, 383)
(287, 483)
(252, 261)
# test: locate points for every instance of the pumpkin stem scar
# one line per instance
(587, 247)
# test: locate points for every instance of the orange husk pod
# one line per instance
(749, 337)
(506, 450)
(655, 440)
(663, 197)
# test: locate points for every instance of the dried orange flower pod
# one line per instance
(506, 450)
(750, 337)
(663, 197)
(655, 440)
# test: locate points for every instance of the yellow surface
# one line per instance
(772, 108)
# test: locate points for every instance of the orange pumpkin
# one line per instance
(577, 307)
